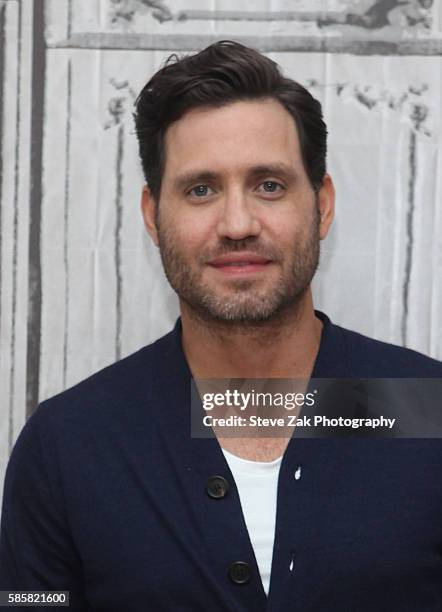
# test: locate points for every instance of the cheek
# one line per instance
(282, 226)
(193, 227)
(188, 238)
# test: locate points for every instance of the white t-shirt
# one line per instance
(257, 484)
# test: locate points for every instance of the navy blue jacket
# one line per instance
(105, 496)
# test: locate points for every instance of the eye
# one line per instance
(200, 191)
(271, 187)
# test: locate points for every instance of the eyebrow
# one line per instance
(182, 180)
(280, 169)
(201, 176)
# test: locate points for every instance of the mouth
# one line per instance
(240, 264)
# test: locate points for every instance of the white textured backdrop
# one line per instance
(80, 283)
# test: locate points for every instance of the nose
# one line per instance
(238, 218)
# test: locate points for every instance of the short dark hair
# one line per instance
(223, 73)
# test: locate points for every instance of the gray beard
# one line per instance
(243, 306)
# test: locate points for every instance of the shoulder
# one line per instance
(109, 394)
(373, 358)
(89, 419)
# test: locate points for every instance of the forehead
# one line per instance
(232, 138)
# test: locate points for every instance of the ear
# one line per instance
(326, 197)
(148, 208)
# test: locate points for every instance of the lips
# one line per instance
(234, 263)
(239, 259)
(240, 263)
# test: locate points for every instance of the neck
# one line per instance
(284, 347)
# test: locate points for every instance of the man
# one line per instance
(108, 496)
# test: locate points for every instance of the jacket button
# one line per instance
(239, 572)
(217, 487)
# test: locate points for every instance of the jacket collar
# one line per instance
(331, 360)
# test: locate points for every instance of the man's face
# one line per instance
(237, 224)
